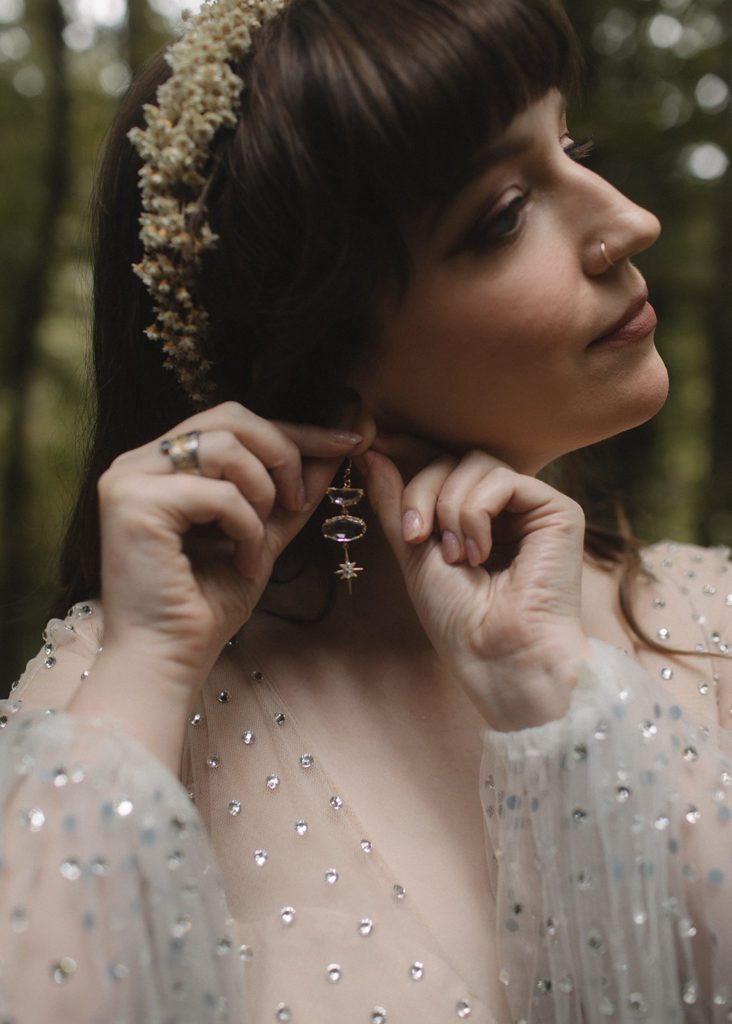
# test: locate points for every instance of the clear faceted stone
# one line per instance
(213, 761)
(246, 953)
(307, 760)
(662, 822)
(283, 1013)
(248, 738)
(667, 673)
(690, 994)
(273, 782)
(287, 915)
(331, 876)
(378, 1015)
(234, 808)
(260, 858)
(703, 688)
(663, 633)
(345, 496)
(344, 529)
(399, 892)
(692, 814)
(365, 926)
(580, 752)
(279, 718)
(622, 794)
(223, 947)
(462, 1009)
(691, 754)
(197, 718)
(640, 917)
(50, 661)
(334, 973)
(551, 927)
(648, 729)
(180, 928)
(595, 940)
(687, 928)
(224, 697)
(60, 777)
(257, 676)
(366, 845)
(301, 827)
(336, 803)
(416, 971)
(35, 819)
(579, 815)
(123, 808)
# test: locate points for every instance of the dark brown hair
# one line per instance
(357, 117)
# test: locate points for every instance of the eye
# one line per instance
(498, 225)
(580, 150)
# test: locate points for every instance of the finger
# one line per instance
(455, 492)
(276, 447)
(386, 488)
(283, 525)
(419, 499)
(222, 456)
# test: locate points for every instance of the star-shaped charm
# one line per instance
(348, 571)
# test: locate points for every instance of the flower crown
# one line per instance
(202, 96)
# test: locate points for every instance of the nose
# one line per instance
(625, 228)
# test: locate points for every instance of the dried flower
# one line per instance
(202, 96)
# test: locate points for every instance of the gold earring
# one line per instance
(344, 528)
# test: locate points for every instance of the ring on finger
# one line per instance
(183, 452)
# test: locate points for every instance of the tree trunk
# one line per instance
(21, 354)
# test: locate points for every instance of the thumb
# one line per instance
(283, 525)
(385, 490)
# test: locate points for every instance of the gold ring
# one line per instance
(183, 452)
(603, 250)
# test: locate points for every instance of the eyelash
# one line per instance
(487, 232)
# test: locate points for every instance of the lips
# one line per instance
(638, 322)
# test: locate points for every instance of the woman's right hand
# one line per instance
(175, 601)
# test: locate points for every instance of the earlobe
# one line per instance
(354, 416)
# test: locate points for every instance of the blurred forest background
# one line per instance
(657, 101)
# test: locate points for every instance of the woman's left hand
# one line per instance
(492, 561)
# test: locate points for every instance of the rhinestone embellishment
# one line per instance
(365, 926)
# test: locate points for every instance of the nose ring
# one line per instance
(606, 257)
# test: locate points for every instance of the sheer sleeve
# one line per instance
(111, 901)
(610, 839)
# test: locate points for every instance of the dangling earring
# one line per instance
(344, 528)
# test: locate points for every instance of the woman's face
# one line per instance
(492, 345)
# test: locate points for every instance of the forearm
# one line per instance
(150, 706)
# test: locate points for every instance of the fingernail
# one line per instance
(411, 525)
(473, 552)
(451, 549)
(346, 438)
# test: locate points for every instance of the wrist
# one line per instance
(535, 685)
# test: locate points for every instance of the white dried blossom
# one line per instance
(202, 96)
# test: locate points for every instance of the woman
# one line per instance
(381, 257)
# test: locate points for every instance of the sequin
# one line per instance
(283, 1013)
(667, 673)
(273, 782)
(279, 718)
(63, 970)
(366, 845)
(234, 808)
(331, 876)
(306, 760)
(691, 754)
(246, 953)
(399, 892)
(50, 661)
(378, 1015)
(334, 973)
(622, 794)
(301, 827)
(637, 1004)
(336, 803)
(248, 738)
(463, 1010)
(663, 633)
(260, 858)
(416, 971)
(692, 814)
(71, 870)
(213, 761)
(287, 915)
(579, 815)
(224, 697)
(365, 926)
(123, 808)
(34, 819)
(648, 729)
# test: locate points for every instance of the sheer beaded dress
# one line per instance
(249, 889)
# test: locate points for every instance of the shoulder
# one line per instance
(70, 646)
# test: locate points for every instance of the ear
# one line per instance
(356, 417)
